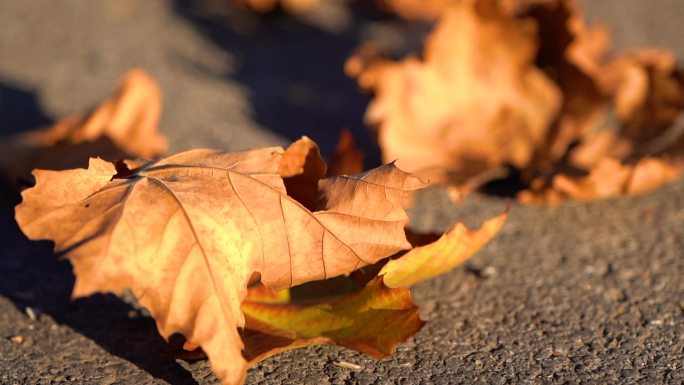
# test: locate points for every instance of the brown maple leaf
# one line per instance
(123, 126)
(187, 232)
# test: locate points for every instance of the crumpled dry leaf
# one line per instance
(619, 115)
(609, 178)
(454, 115)
(470, 102)
(125, 125)
(186, 233)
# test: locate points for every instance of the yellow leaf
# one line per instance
(452, 249)
(372, 320)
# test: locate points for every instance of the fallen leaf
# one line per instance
(452, 249)
(542, 107)
(651, 173)
(372, 320)
(571, 53)
(608, 179)
(187, 232)
(125, 125)
(475, 100)
(611, 178)
(647, 90)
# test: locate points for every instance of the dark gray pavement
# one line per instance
(586, 293)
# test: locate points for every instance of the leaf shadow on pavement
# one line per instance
(292, 69)
(19, 110)
(31, 275)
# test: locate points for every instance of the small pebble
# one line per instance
(347, 365)
(17, 340)
(489, 272)
(613, 294)
(30, 313)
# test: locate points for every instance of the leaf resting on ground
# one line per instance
(188, 233)
(123, 126)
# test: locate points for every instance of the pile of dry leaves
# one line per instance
(526, 89)
(211, 241)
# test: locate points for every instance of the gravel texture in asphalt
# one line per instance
(582, 293)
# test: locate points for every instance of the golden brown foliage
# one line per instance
(528, 86)
(123, 126)
(188, 233)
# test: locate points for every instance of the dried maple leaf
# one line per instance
(125, 125)
(187, 232)
(609, 178)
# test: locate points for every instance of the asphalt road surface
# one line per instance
(586, 293)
